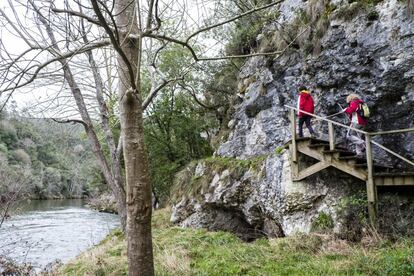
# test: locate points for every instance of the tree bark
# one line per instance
(139, 207)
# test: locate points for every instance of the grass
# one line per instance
(181, 251)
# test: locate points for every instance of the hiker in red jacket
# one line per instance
(305, 103)
(357, 122)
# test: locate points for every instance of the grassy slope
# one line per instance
(198, 252)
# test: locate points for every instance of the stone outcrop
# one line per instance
(372, 54)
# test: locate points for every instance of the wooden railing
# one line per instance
(371, 187)
(331, 134)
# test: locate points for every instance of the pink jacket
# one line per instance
(352, 111)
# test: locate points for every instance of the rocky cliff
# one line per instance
(334, 48)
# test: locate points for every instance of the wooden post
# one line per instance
(371, 187)
(293, 129)
(294, 147)
(331, 136)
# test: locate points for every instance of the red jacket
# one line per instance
(305, 103)
(352, 111)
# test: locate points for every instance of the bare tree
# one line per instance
(13, 188)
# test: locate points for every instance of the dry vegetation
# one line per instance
(181, 251)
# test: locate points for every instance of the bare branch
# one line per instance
(69, 54)
(78, 14)
(71, 121)
(232, 19)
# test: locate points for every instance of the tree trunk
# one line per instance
(139, 208)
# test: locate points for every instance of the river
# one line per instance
(49, 230)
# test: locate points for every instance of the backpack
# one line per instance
(363, 110)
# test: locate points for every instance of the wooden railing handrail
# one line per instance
(349, 127)
(327, 120)
(393, 153)
(367, 134)
(392, 131)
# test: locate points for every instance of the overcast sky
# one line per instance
(37, 94)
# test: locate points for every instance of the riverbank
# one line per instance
(105, 203)
(179, 251)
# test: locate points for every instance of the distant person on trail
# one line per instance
(357, 121)
(305, 103)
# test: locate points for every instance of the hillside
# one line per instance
(41, 159)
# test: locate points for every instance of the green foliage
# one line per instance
(173, 129)
(243, 36)
(3, 148)
(179, 251)
(48, 155)
(323, 223)
(20, 156)
(353, 210)
(279, 150)
(8, 134)
(311, 25)
(348, 12)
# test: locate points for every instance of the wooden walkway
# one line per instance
(328, 154)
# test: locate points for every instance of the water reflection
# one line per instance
(46, 230)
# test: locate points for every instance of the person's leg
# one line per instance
(301, 121)
(355, 139)
(309, 125)
(360, 146)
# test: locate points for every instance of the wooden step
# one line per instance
(340, 151)
(318, 145)
(376, 167)
(314, 140)
(353, 158)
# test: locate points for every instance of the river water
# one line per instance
(49, 230)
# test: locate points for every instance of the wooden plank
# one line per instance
(409, 180)
(312, 170)
(345, 167)
(379, 181)
(294, 166)
(403, 180)
(399, 180)
(331, 136)
(310, 152)
(392, 131)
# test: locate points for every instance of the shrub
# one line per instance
(21, 156)
(8, 134)
(323, 223)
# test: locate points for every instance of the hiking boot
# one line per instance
(314, 135)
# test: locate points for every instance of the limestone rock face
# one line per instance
(371, 56)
